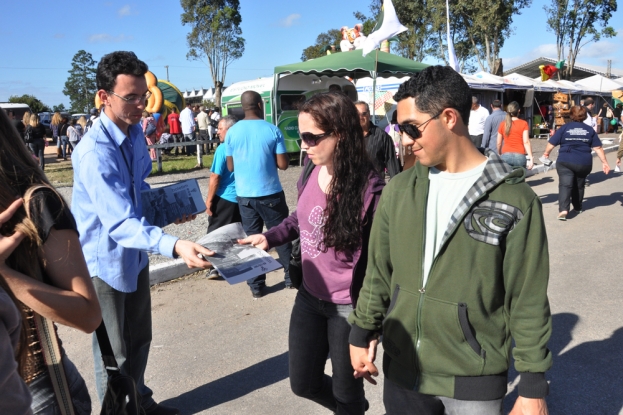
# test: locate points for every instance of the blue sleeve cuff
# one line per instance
(166, 245)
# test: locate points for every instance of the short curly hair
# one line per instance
(437, 88)
(118, 63)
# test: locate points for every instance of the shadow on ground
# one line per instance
(540, 181)
(233, 386)
(585, 379)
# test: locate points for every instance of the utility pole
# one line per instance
(167, 66)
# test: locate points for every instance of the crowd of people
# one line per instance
(427, 260)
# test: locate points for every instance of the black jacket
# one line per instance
(380, 148)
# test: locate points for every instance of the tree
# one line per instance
(577, 23)
(59, 108)
(487, 24)
(215, 34)
(331, 37)
(33, 102)
(80, 87)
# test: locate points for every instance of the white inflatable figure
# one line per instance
(352, 38)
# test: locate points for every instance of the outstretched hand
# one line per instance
(362, 359)
(189, 252)
(258, 241)
(9, 243)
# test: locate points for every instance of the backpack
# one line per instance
(28, 135)
(150, 128)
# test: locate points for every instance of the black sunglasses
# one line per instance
(413, 131)
(312, 139)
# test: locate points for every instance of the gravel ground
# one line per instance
(197, 228)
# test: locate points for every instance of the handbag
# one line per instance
(296, 267)
(122, 397)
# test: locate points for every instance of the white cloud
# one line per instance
(290, 20)
(106, 38)
(125, 11)
(547, 50)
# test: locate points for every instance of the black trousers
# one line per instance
(224, 212)
(571, 181)
(476, 139)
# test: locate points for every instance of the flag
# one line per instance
(547, 71)
(387, 26)
(559, 65)
(452, 60)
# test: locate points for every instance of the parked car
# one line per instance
(18, 109)
(77, 116)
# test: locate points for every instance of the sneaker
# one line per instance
(257, 294)
(562, 216)
(157, 409)
(213, 274)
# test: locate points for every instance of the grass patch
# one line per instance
(62, 174)
(179, 164)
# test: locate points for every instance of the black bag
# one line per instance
(296, 269)
(29, 135)
(122, 397)
(213, 123)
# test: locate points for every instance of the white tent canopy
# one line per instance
(599, 83)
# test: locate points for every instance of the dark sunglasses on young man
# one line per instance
(312, 139)
(412, 130)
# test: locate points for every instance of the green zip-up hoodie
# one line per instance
(487, 285)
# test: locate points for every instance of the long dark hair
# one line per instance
(335, 113)
(19, 172)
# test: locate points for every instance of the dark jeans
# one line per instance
(319, 328)
(476, 139)
(38, 147)
(204, 135)
(402, 401)
(44, 400)
(64, 144)
(571, 181)
(127, 317)
(224, 213)
(270, 210)
(190, 150)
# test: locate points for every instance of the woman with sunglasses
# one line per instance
(334, 214)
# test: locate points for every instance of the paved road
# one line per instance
(217, 351)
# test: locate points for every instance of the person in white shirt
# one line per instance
(591, 121)
(203, 122)
(187, 119)
(476, 126)
(215, 117)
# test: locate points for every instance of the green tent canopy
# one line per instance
(355, 66)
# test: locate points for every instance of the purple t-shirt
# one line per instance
(328, 275)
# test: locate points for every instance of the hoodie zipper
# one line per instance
(422, 291)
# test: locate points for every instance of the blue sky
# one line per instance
(39, 41)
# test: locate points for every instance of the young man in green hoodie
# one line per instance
(458, 268)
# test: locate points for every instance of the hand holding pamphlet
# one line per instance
(236, 263)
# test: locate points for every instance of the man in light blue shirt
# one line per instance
(110, 168)
(256, 149)
(492, 123)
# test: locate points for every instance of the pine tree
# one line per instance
(80, 86)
